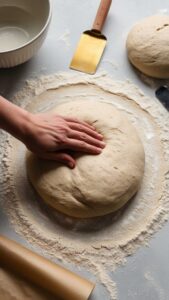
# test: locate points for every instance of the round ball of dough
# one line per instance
(99, 184)
(148, 46)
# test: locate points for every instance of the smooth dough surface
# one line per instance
(99, 184)
(148, 46)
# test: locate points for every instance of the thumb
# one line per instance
(64, 158)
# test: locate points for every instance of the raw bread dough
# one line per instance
(148, 46)
(99, 184)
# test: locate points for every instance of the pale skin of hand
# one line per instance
(49, 135)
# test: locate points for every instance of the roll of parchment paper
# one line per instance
(40, 271)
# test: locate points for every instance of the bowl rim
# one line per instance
(36, 36)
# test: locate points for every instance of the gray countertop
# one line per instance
(70, 18)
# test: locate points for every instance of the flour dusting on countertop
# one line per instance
(100, 244)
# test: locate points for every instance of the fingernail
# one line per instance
(98, 150)
(71, 165)
(103, 144)
(100, 136)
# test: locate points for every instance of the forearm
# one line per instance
(12, 118)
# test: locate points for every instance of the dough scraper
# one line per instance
(92, 43)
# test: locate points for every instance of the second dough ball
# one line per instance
(148, 46)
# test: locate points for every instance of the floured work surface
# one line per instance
(100, 244)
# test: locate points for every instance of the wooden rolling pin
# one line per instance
(42, 272)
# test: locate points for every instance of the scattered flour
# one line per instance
(163, 11)
(65, 38)
(111, 63)
(100, 244)
(160, 292)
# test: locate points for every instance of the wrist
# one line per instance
(13, 118)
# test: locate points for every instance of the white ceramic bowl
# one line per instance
(23, 28)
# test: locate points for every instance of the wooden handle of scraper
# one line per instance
(40, 271)
(102, 14)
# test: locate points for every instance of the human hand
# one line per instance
(49, 135)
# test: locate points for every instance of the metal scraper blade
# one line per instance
(88, 53)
